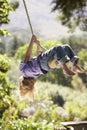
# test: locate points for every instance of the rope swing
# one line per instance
(28, 17)
(29, 21)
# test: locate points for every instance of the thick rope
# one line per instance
(29, 21)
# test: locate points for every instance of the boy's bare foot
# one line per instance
(77, 69)
(67, 71)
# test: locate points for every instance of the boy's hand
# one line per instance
(35, 40)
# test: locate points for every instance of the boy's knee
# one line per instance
(67, 46)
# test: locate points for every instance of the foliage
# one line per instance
(74, 107)
(57, 99)
(6, 102)
(77, 82)
(5, 8)
(43, 114)
(71, 13)
(4, 32)
(28, 124)
(77, 111)
(4, 11)
(20, 54)
(83, 61)
(4, 63)
(83, 57)
(13, 74)
(57, 76)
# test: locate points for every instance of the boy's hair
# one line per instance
(26, 86)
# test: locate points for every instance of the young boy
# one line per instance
(57, 56)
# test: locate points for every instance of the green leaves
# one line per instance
(5, 86)
(5, 7)
(72, 13)
(4, 32)
(28, 124)
(4, 63)
(83, 58)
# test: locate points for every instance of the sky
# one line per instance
(42, 19)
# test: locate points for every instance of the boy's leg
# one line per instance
(71, 54)
(62, 57)
(73, 59)
(77, 68)
(59, 55)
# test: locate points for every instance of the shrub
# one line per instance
(28, 124)
(4, 63)
(83, 61)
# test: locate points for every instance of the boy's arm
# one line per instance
(29, 50)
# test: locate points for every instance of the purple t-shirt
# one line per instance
(31, 68)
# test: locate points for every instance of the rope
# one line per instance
(29, 21)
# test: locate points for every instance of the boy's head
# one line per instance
(26, 86)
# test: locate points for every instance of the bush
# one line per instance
(28, 124)
(4, 63)
(5, 91)
(83, 61)
(6, 87)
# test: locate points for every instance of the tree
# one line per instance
(7, 103)
(5, 8)
(72, 13)
(5, 86)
